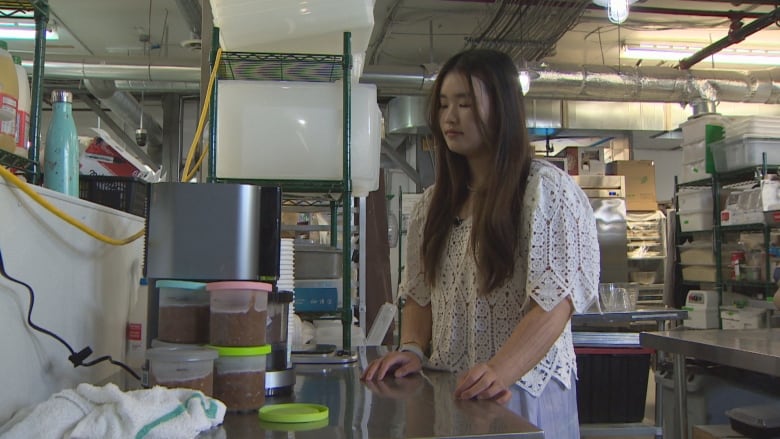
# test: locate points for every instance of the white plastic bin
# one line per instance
(314, 26)
(694, 129)
(694, 171)
(293, 131)
(696, 220)
(695, 200)
(694, 152)
(744, 151)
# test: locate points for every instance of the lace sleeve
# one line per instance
(563, 246)
(413, 278)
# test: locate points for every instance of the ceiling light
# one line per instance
(15, 30)
(678, 51)
(617, 10)
(525, 76)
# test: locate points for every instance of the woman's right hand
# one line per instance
(400, 364)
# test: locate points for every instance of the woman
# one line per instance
(501, 251)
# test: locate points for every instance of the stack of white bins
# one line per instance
(694, 146)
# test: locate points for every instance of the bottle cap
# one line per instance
(61, 96)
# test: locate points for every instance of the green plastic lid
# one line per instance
(252, 351)
(293, 426)
(183, 284)
(293, 412)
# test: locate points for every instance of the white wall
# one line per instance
(81, 286)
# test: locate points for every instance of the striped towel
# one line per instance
(107, 412)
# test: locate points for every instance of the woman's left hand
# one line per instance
(482, 382)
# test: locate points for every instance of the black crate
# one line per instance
(127, 194)
(612, 384)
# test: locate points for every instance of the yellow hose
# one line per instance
(11, 178)
(187, 174)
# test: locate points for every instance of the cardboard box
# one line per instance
(715, 432)
(583, 161)
(640, 183)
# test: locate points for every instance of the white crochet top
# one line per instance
(558, 256)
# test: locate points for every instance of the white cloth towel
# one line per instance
(107, 412)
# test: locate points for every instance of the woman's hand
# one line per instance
(482, 382)
(396, 388)
(400, 364)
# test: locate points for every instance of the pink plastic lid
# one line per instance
(238, 285)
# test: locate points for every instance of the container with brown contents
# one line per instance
(183, 312)
(239, 377)
(190, 367)
(238, 312)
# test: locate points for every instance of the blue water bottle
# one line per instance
(61, 154)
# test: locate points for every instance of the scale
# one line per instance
(702, 307)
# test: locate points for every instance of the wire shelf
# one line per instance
(281, 67)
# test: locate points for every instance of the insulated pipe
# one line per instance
(625, 84)
(124, 106)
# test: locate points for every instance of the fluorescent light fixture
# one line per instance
(617, 10)
(13, 30)
(678, 51)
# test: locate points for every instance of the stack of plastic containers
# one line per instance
(237, 331)
(745, 143)
(694, 146)
(177, 357)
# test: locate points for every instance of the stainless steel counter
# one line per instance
(414, 407)
(659, 315)
(756, 350)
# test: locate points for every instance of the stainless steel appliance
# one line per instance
(607, 197)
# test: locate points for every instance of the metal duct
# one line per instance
(191, 11)
(572, 82)
(124, 106)
(604, 83)
(140, 72)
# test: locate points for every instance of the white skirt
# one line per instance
(545, 411)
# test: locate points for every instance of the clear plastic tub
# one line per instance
(694, 200)
(238, 313)
(190, 367)
(239, 376)
(183, 312)
(744, 151)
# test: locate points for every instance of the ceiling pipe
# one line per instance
(605, 83)
(117, 71)
(124, 106)
(191, 11)
(733, 37)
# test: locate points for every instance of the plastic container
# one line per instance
(61, 154)
(239, 376)
(238, 313)
(694, 152)
(314, 26)
(759, 126)
(277, 330)
(22, 109)
(694, 171)
(694, 129)
(696, 220)
(183, 312)
(317, 262)
(293, 131)
(190, 367)
(744, 151)
(694, 200)
(127, 194)
(9, 97)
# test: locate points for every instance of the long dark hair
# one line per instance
(496, 212)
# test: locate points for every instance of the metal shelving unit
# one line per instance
(724, 233)
(335, 195)
(40, 10)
